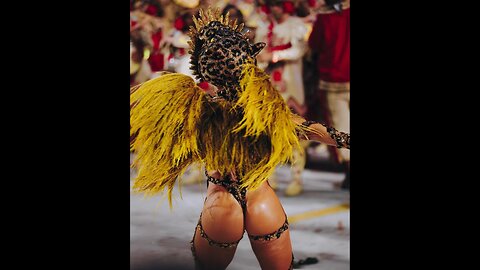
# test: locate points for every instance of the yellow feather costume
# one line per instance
(176, 124)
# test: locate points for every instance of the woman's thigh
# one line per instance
(219, 230)
(267, 227)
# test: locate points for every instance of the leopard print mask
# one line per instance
(218, 51)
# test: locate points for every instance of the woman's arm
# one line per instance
(315, 131)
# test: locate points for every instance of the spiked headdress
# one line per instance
(219, 50)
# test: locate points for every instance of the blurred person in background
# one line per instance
(179, 58)
(139, 68)
(146, 17)
(285, 36)
(330, 46)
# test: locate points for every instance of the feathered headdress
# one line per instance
(248, 129)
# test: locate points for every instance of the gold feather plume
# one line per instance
(165, 116)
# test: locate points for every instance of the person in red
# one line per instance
(147, 17)
(330, 45)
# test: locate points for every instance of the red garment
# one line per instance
(270, 45)
(179, 23)
(152, 10)
(330, 39)
(288, 7)
(281, 47)
(156, 59)
(156, 38)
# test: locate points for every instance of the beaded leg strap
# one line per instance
(271, 236)
(194, 254)
(291, 263)
(213, 242)
(342, 139)
(232, 187)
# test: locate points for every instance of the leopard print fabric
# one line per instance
(219, 51)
